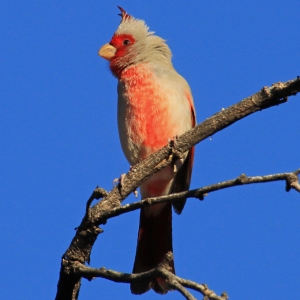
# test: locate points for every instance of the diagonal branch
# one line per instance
(265, 98)
(86, 235)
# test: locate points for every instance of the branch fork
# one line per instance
(110, 206)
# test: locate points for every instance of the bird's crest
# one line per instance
(124, 15)
(132, 26)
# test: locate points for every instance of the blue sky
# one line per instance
(59, 140)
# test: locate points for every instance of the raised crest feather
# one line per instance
(124, 15)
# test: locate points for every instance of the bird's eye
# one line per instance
(126, 42)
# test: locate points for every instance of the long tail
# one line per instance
(154, 242)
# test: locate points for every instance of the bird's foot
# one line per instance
(119, 180)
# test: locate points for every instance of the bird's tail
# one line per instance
(154, 247)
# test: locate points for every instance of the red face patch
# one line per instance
(121, 43)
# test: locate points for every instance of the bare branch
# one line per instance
(177, 286)
(176, 282)
(203, 289)
(90, 273)
(265, 98)
(291, 179)
(82, 243)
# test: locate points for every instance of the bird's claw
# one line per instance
(119, 180)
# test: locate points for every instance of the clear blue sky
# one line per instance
(59, 140)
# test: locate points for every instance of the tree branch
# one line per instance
(176, 282)
(86, 235)
(265, 98)
(291, 178)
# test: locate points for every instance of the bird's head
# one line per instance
(133, 43)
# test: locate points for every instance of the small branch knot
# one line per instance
(147, 201)
(242, 179)
(266, 91)
(200, 196)
(207, 292)
(277, 85)
(225, 296)
(292, 182)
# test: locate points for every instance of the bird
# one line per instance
(155, 106)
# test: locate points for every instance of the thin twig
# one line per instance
(183, 291)
(90, 273)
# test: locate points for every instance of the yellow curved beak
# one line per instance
(107, 51)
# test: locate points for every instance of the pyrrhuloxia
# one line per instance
(155, 105)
